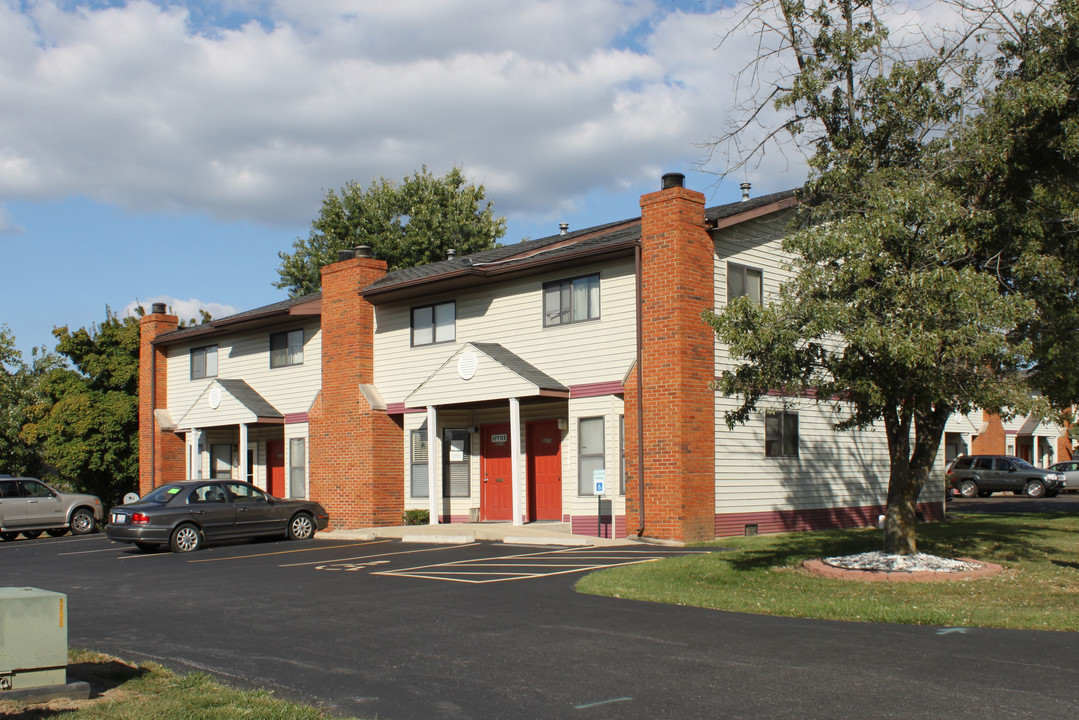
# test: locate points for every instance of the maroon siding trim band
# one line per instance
(400, 409)
(610, 387)
(586, 525)
(293, 418)
(769, 522)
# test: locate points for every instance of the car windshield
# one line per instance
(162, 495)
(1021, 464)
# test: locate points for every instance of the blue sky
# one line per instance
(167, 151)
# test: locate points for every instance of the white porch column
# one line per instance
(243, 452)
(515, 457)
(194, 466)
(433, 456)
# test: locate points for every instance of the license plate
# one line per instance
(118, 519)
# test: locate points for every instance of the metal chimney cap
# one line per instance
(563, 228)
(674, 180)
(157, 309)
(745, 190)
(451, 253)
(363, 251)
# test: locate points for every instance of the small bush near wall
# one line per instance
(416, 517)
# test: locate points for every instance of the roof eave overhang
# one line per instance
(753, 214)
(471, 276)
(214, 328)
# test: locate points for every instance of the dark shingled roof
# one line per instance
(520, 366)
(277, 308)
(249, 398)
(725, 211)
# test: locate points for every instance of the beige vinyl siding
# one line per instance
(608, 407)
(246, 356)
(511, 314)
(833, 469)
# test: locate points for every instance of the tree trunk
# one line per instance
(909, 471)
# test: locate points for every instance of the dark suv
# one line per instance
(983, 475)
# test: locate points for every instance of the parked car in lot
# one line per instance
(184, 515)
(30, 507)
(1070, 469)
(983, 475)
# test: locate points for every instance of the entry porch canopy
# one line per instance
(481, 372)
(225, 403)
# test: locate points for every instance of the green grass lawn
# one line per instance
(120, 691)
(1038, 589)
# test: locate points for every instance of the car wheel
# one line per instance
(31, 533)
(57, 532)
(301, 527)
(82, 522)
(1035, 489)
(185, 538)
(8, 536)
(968, 488)
(145, 546)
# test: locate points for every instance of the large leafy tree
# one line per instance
(893, 313)
(1018, 162)
(19, 391)
(416, 222)
(85, 421)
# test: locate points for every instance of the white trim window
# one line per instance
(434, 324)
(781, 434)
(590, 452)
(418, 487)
(286, 348)
(571, 301)
(297, 467)
(744, 280)
(204, 362)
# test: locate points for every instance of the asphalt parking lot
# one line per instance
(487, 630)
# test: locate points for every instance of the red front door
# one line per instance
(275, 467)
(544, 471)
(496, 495)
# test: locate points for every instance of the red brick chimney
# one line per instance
(356, 449)
(678, 363)
(161, 453)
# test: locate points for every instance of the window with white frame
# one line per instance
(204, 362)
(743, 280)
(781, 434)
(286, 348)
(297, 467)
(571, 301)
(590, 452)
(418, 487)
(456, 462)
(434, 323)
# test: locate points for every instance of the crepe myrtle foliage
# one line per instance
(901, 306)
(408, 224)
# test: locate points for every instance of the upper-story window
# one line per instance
(570, 301)
(434, 323)
(286, 348)
(742, 280)
(204, 362)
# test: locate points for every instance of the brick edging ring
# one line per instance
(984, 569)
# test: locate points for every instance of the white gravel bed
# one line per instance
(899, 563)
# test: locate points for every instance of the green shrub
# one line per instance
(416, 517)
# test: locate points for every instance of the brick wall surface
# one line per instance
(355, 451)
(161, 454)
(678, 363)
(992, 441)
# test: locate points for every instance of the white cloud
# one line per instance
(153, 108)
(7, 227)
(186, 310)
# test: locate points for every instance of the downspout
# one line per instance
(153, 416)
(640, 391)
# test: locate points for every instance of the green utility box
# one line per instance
(33, 638)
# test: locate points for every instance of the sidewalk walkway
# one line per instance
(461, 533)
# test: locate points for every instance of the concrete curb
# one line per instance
(571, 541)
(440, 539)
(819, 568)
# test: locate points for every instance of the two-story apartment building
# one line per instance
(501, 386)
